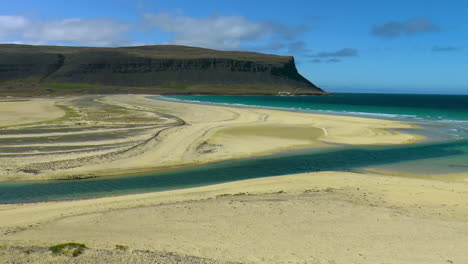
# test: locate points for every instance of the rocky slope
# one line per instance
(147, 69)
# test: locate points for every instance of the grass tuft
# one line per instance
(70, 86)
(71, 249)
(121, 247)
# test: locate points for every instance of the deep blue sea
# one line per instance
(443, 118)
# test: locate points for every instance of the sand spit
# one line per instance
(328, 217)
(96, 135)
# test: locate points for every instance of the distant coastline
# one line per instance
(27, 70)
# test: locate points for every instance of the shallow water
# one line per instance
(336, 159)
(447, 125)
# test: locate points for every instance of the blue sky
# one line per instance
(342, 46)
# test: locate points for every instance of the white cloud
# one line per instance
(12, 24)
(99, 31)
(220, 32)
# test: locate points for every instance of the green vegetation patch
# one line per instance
(117, 111)
(31, 79)
(14, 100)
(70, 112)
(173, 85)
(70, 86)
(119, 115)
(121, 247)
(71, 249)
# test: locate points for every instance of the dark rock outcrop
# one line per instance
(148, 69)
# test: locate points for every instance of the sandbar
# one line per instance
(132, 134)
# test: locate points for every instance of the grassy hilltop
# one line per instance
(158, 69)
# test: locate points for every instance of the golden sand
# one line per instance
(206, 133)
(328, 217)
(209, 134)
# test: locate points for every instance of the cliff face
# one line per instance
(149, 69)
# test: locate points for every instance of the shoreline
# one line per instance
(285, 109)
(195, 134)
(418, 125)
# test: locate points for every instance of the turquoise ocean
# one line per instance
(443, 120)
(445, 117)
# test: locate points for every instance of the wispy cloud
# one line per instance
(333, 60)
(446, 48)
(221, 32)
(298, 47)
(332, 56)
(98, 31)
(394, 29)
(345, 52)
(217, 31)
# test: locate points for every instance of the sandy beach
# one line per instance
(131, 134)
(325, 217)
(329, 217)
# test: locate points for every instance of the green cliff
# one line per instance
(159, 69)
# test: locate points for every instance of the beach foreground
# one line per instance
(328, 217)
